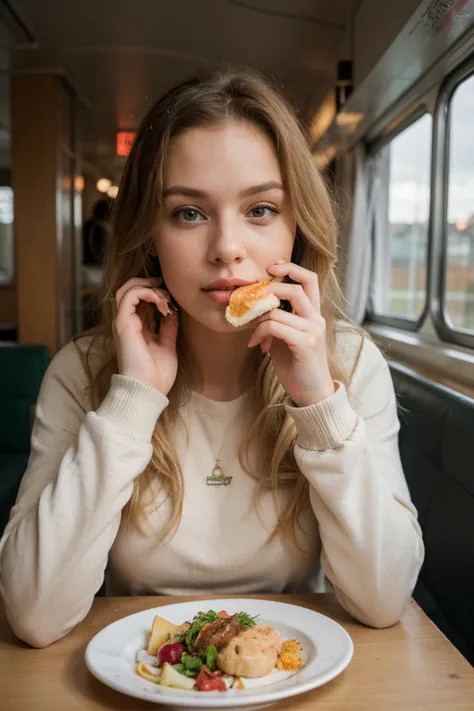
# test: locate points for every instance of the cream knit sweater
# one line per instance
(66, 533)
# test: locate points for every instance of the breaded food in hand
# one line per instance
(249, 302)
(252, 653)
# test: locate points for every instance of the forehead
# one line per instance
(223, 155)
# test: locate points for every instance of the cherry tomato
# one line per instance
(170, 653)
(207, 681)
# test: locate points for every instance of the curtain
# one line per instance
(356, 244)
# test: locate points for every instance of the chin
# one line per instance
(215, 320)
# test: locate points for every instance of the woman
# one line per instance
(177, 454)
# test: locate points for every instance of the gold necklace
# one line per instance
(218, 476)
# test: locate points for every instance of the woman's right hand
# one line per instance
(144, 356)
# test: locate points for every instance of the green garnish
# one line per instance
(201, 619)
(181, 670)
(245, 620)
(192, 665)
(211, 656)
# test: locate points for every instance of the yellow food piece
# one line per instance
(243, 298)
(290, 655)
(161, 631)
(170, 677)
(142, 671)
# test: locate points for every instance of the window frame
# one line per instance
(405, 121)
(439, 215)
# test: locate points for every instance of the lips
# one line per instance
(220, 290)
(227, 284)
(220, 296)
(223, 288)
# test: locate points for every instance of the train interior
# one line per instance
(387, 93)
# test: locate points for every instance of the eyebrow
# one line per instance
(248, 192)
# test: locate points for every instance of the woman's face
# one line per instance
(225, 216)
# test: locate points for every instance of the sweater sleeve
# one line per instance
(347, 447)
(80, 474)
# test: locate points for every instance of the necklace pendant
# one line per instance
(218, 478)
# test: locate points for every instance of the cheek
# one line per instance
(177, 274)
(279, 245)
(176, 262)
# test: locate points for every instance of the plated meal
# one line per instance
(216, 651)
(248, 651)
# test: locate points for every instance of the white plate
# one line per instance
(328, 649)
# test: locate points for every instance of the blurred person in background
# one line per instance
(94, 243)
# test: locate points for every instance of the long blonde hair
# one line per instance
(228, 94)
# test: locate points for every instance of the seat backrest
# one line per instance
(436, 444)
(22, 368)
(21, 372)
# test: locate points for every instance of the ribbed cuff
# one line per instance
(326, 425)
(133, 407)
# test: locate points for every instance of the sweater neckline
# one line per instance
(215, 407)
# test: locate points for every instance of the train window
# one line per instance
(401, 224)
(458, 295)
(6, 234)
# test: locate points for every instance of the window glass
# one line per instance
(6, 235)
(459, 275)
(401, 222)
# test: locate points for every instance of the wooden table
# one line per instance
(408, 667)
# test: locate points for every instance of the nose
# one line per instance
(227, 243)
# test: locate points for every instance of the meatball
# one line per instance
(251, 653)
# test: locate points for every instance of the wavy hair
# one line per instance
(225, 95)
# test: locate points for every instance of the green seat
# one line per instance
(11, 466)
(21, 372)
(437, 427)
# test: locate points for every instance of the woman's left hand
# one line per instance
(296, 342)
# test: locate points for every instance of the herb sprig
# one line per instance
(245, 620)
(201, 619)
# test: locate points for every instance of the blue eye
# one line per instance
(263, 212)
(187, 214)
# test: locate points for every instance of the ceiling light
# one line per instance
(79, 183)
(103, 185)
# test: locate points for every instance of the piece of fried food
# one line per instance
(290, 656)
(249, 302)
(252, 653)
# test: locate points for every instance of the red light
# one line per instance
(124, 142)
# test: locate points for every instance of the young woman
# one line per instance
(173, 453)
